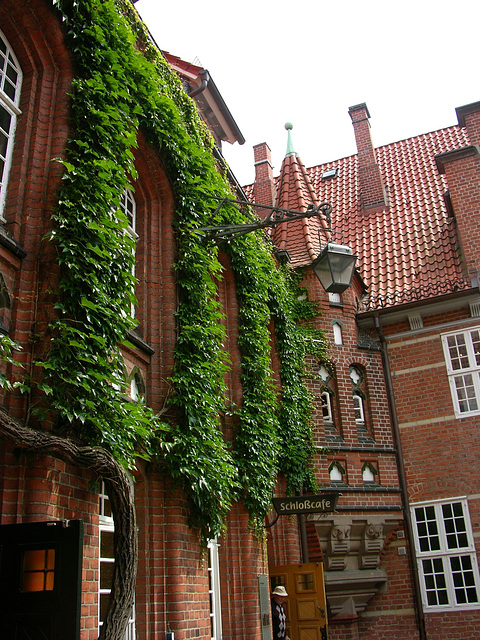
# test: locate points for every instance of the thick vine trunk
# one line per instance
(118, 488)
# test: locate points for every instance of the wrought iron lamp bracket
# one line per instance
(275, 216)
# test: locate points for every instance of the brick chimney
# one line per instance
(372, 191)
(264, 187)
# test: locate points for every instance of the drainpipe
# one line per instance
(403, 482)
(203, 86)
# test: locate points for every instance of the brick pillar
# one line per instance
(462, 169)
(264, 187)
(372, 192)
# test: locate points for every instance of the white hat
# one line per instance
(280, 591)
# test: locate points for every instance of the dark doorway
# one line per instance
(40, 580)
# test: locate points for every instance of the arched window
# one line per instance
(10, 84)
(329, 402)
(337, 472)
(360, 401)
(337, 333)
(369, 473)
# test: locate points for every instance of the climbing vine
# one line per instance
(122, 83)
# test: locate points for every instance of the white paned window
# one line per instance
(107, 563)
(214, 590)
(129, 208)
(446, 556)
(10, 84)
(462, 354)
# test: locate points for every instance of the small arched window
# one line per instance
(361, 408)
(337, 333)
(337, 472)
(10, 85)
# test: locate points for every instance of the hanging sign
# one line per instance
(306, 504)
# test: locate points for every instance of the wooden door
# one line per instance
(40, 580)
(306, 605)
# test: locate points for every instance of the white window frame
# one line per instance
(326, 401)
(11, 106)
(106, 524)
(463, 369)
(337, 333)
(358, 408)
(437, 545)
(214, 589)
(129, 207)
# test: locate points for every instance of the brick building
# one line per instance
(396, 399)
(56, 521)
(398, 405)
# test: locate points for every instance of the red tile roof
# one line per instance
(406, 251)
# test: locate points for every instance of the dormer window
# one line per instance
(330, 173)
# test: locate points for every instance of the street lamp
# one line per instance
(334, 266)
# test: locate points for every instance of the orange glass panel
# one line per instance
(50, 565)
(34, 560)
(33, 581)
(38, 570)
(49, 581)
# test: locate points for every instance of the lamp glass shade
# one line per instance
(334, 267)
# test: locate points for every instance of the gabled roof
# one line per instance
(212, 107)
(407, 251)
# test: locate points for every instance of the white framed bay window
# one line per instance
(462, 355)
(446, 557)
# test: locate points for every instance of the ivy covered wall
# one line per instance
(123, 84)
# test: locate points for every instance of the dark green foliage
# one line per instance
(118, 89)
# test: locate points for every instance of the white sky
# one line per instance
(307, 61)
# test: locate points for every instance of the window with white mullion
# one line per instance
(214, 590)
(107, 562)
(446, 555)
(129, 208)
(10, 85)
(462, 355)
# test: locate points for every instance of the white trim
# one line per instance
(466, 375)
(106, 524)
(444, 554)
(10, 107)
(214, 589)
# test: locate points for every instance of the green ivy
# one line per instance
(121, 84)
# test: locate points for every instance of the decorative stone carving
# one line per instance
(338, 547)
(352, 547)
(372, 545)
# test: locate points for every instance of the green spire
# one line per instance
(290, 150)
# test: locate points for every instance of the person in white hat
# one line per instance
(279, 616)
